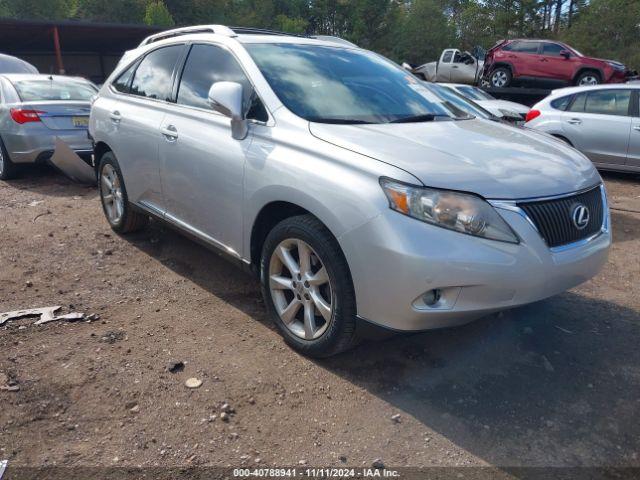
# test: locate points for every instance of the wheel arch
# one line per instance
(585, 69)
(99, 149)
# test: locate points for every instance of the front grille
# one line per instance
(554, 218)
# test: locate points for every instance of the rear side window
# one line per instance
(54, 89)
(447, 56)
(522, 47)
(608, 102)
(152, 78)
(122, 83)
(561, 103)
(208, 64)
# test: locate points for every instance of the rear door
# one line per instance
(633, 154)
(137, 117)
(598, 124)
(443, 73)
(523, 56)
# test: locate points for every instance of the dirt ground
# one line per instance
(556, 383)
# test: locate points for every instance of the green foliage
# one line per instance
(158, 14)
(405, 30)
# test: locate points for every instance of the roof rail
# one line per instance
(263, 31)
(176, 32)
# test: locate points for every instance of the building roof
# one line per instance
(33, 36)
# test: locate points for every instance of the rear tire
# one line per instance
(328, 303)
(587, 78)
(501, 77)
(121, 215)
(8, 169)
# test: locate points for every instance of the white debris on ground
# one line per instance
(46, 314)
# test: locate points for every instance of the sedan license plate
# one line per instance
(80, 121)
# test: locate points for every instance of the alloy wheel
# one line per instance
(589, 80)
(111, 191)
(300, 289)
(499, 79)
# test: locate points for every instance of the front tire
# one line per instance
(501, 77)
(588, 78)
(307, 287)
(8, 169)
(121, 215)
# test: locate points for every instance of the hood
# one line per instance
(479, 156)
(504, 105)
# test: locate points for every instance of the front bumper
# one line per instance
(395, 259)
(36, 148)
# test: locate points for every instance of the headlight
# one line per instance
(461, 212)
(617, 66)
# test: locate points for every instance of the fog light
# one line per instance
(431, 297)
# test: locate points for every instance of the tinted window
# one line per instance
(608, 102)
(153, 75)
(56, 89)
(207, 65)
(552, 49)
(561, 103)
(447, 57)
(121, 84)
(522, 47)
(338, 85)
(578, 103)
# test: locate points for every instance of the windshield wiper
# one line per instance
(427, 117)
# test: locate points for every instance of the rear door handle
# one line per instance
(575, 121)
(170, 133)
(115, 116)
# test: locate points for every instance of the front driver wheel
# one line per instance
(307, 287)
(119, 212)
(588, 78)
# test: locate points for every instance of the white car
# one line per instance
(453, 66)
(500, 108)
(602, 121)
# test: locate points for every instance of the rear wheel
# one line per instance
(307, 287)
(121, 215)
(588, 78)
(8, 169)
(501, 77)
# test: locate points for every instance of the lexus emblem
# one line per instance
(580, 216)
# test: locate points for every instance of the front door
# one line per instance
(598, 124)
(202, 164)
(554, 65)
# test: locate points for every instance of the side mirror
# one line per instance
(226, 98)
(565, 53)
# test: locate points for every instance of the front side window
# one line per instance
(208, 64)
(52, 89)
(336, 85)
(552, 49)
(152, 78)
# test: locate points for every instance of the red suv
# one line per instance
(547, 62)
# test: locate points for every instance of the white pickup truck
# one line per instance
(454, 66)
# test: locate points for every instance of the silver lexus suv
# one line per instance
(355, 193)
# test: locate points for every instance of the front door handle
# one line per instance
(575, 121)
(455, 66)
(170, 133)
(115, 116)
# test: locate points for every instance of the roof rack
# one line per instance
(218, 29)
(176, 32)
(263, 31)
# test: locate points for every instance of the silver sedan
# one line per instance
(37, 109)
(601, 121)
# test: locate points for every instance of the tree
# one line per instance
(158, 14)
(36, 9)
(116, 11)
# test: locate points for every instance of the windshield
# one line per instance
(337, 85)
(45, 90)
(457, 101)
(474, 93)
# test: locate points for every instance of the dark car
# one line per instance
(547, 63)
